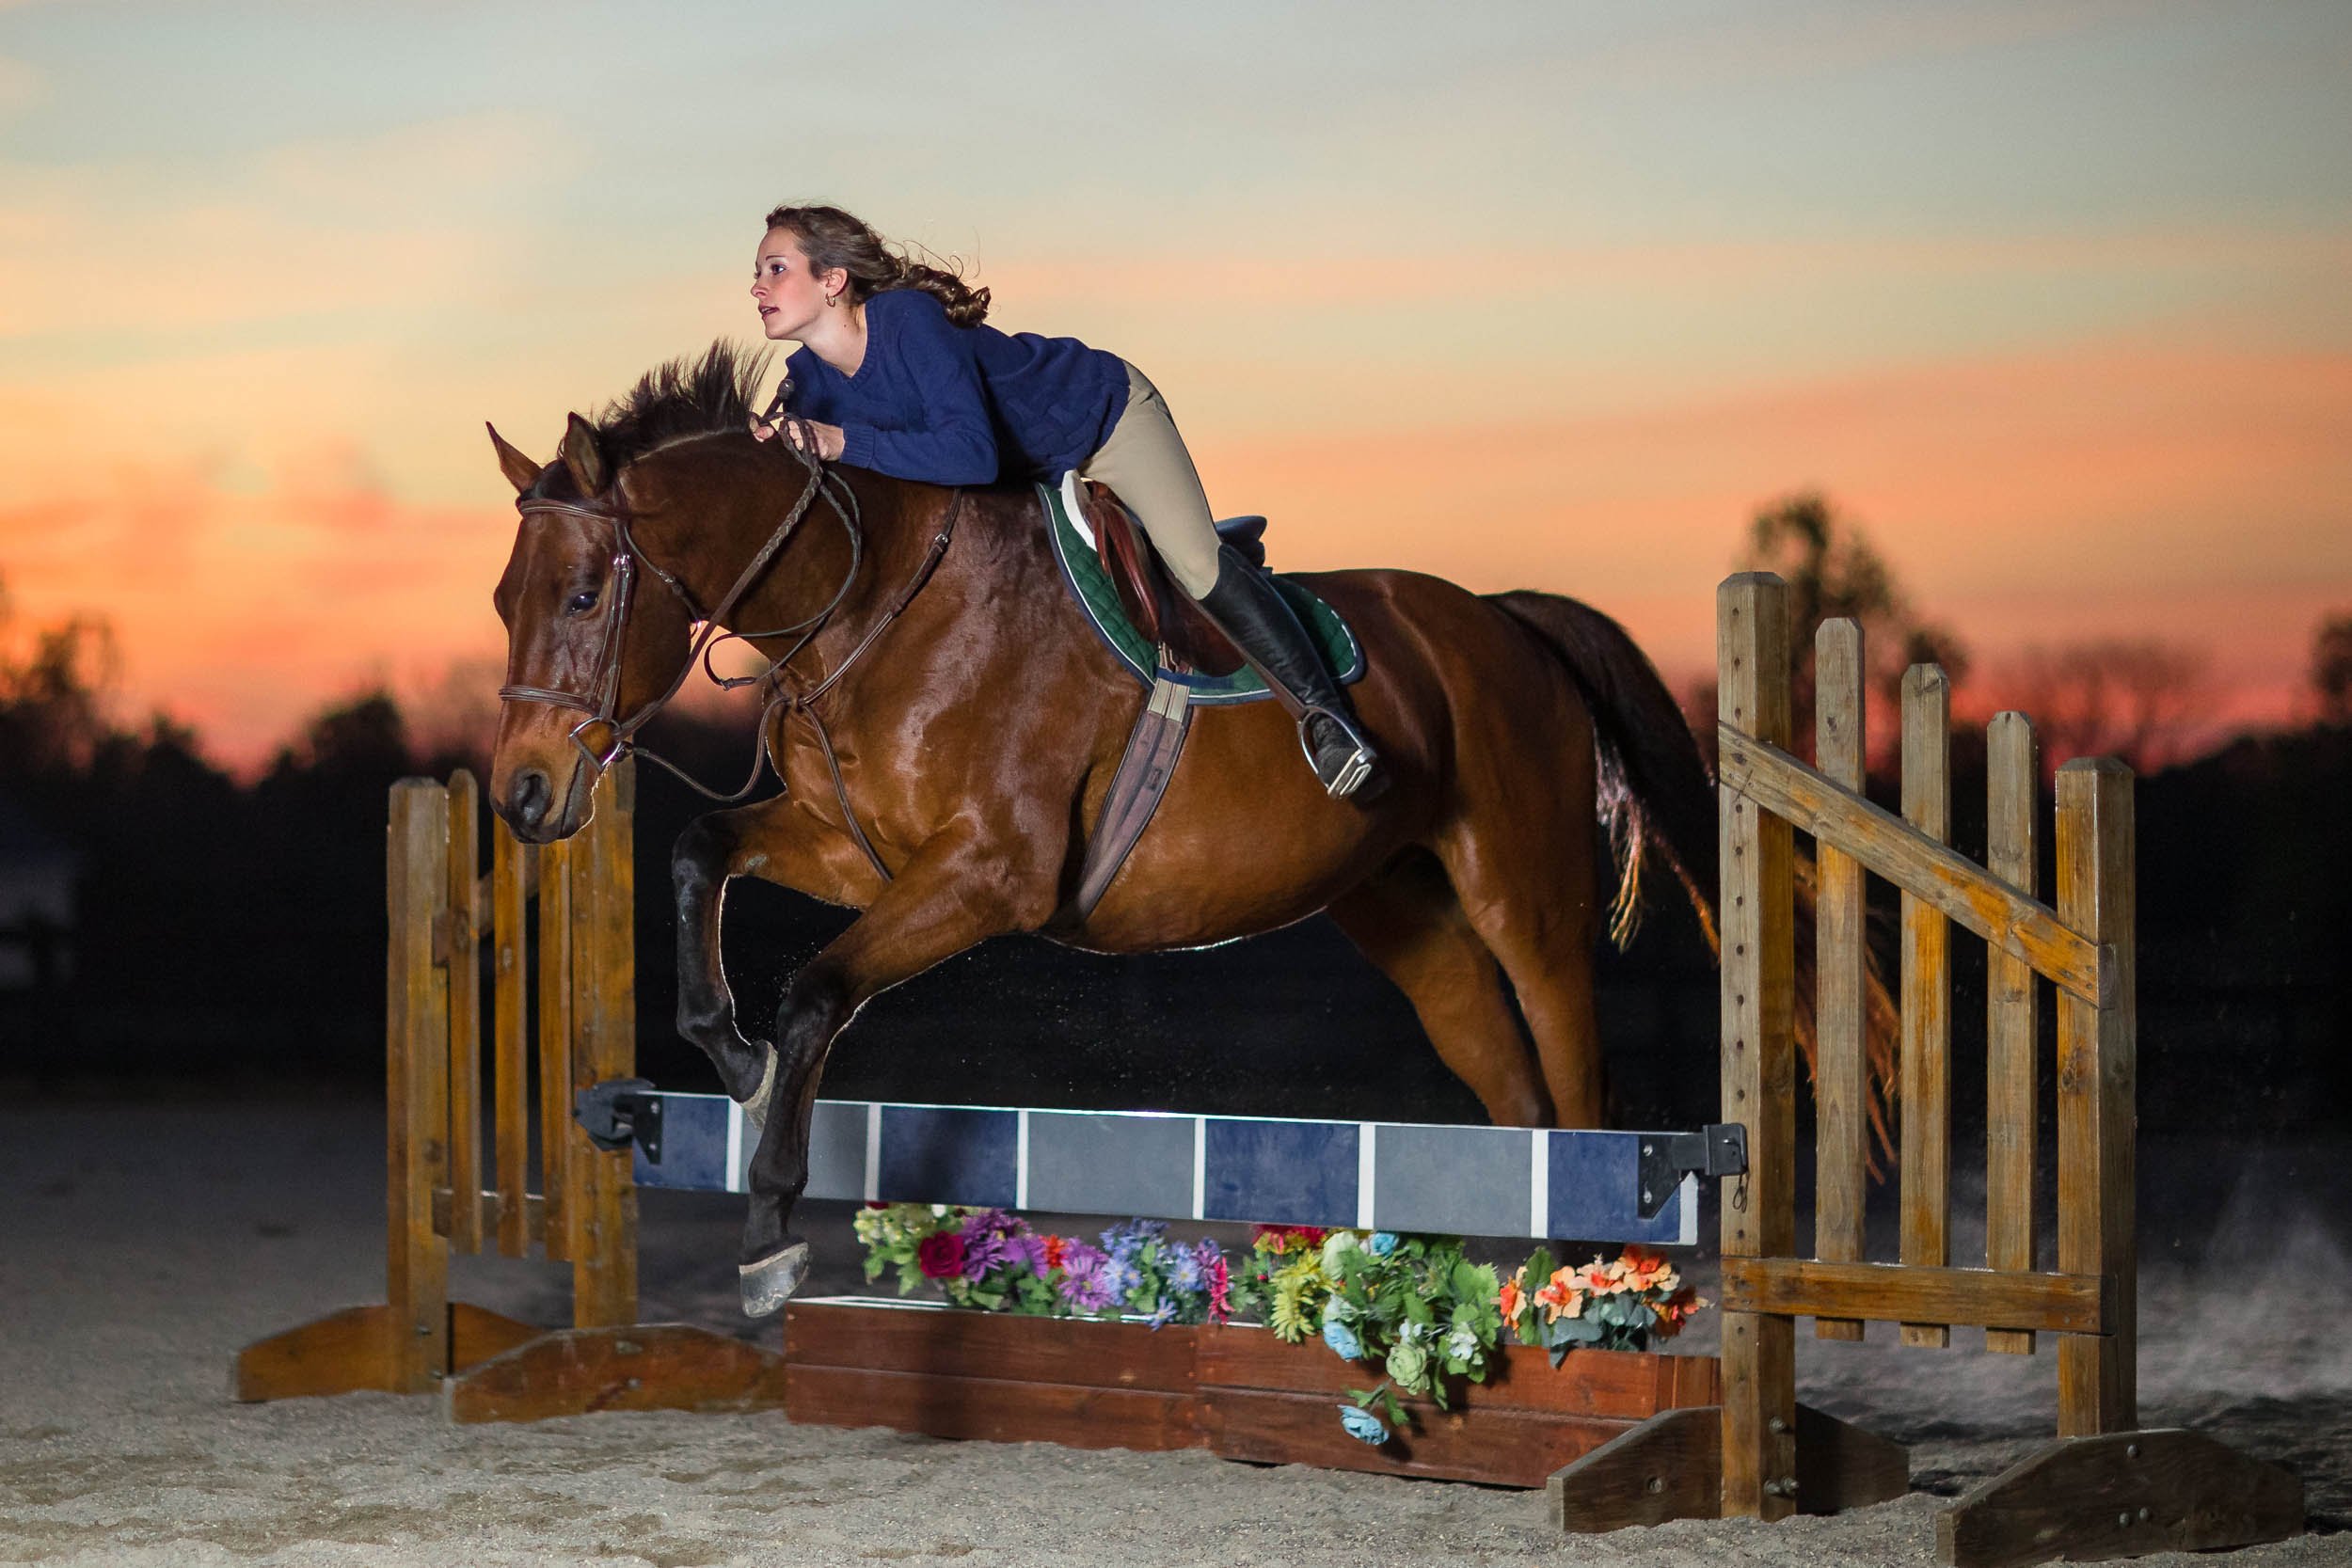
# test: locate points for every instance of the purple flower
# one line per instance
(991, 1238)
(1082, 1284)
(1119, 1276)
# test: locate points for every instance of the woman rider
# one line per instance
(895, 373)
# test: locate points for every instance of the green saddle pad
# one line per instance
(1082, 569)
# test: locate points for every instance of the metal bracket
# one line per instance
(1719, 1148)
(619, 1112)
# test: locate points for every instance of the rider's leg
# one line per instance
(1145, 461)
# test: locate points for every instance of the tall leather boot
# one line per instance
(1249, 609)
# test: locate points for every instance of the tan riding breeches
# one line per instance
(1145, 461)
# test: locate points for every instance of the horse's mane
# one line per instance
(686, 396)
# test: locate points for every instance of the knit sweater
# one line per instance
(960, 404)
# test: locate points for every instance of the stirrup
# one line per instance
(1354, 770)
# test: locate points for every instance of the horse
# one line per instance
(945, 724)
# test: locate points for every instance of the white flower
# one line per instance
(939, 1211)
(1461, 1345)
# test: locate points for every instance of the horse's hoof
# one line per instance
(755, 1108)
(770, 1282)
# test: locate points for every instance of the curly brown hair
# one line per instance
(830, 238)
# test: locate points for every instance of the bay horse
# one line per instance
(947, 726)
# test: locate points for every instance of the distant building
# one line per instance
(37, 873)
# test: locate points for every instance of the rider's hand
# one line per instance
(831, 441)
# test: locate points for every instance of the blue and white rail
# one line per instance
(1388, 1176)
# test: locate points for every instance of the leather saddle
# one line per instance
(1160, 609)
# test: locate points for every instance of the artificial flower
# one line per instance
(941, 1255)
(1362, 1425)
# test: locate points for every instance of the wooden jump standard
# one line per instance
(2102, 1489)
(487, 1366)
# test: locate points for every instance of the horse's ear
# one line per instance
(581, 456)
(521, 472)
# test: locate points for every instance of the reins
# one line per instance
(601, 702)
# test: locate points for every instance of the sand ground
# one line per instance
(140, 1246)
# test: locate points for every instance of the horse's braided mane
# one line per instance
(718, 389)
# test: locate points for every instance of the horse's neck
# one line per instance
(894, 524)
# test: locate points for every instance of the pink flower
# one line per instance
(1220, 1281)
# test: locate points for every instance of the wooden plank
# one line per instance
(2122, 1494)
(995, 1410)
(417, 1113)
(555, 1044)
(1841, 1009)
(2098, 1083)
(1618, 1385)
(464, 958)
(1669, 1468)
(1758, 917)
(604, 987)
(510, 1047)
(1967, 895)
(342, 1353)
(1907, 1292)
(1495, 1447)
(574, 1371)
(948, 1343)
(1927, 995)
(2011, 1140)
(494, 1215)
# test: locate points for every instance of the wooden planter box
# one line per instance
(1236, 1391)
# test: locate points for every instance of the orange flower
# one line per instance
(1595, 1277)
(1513, 1300)
(1561, 1296)
(1055, 1247)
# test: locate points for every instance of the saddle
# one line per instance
(1160, 609)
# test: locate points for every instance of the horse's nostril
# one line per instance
(528, 802)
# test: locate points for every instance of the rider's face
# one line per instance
(789, 296)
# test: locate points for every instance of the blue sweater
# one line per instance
(960, 404)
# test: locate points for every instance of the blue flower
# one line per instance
(1363, 1425)
(1382, 1243)
(1342, 1340)
(1184, 1270)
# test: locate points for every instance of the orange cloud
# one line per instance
(241, 613)
(2115, 486)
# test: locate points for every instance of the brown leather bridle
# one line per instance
(601, 701)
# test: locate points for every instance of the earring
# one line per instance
(832, 300)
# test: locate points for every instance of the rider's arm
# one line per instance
(956, 443)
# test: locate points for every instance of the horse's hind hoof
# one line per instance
(770, 1282)
(755, 1108)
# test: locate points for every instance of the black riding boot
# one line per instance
(1247, 607)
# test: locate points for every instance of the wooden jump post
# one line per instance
(485, 1366)
(2102, 1489)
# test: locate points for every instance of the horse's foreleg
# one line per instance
(709, 853)
(947, 901)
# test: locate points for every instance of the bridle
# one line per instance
(601, 701)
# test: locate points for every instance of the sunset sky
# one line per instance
(2054, 298)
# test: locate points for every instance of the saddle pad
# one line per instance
(1082, 569)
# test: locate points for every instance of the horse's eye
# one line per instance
(582, 602)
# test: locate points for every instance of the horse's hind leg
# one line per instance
(1527, 883)
(1409, 924)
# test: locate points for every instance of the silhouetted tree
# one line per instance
(2332, 668)
(1833, 571)
(2139, 700)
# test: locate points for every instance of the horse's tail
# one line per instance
(1657, 796)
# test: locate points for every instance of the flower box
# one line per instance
(1234, 1390)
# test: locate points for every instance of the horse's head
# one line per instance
(589, 641)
